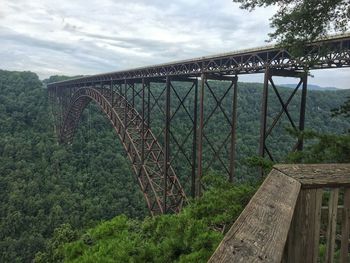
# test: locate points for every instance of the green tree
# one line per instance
(343, 109)
(190, 236)
(44, 185)
(296, 23)
(299, 21)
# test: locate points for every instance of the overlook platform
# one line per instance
(301, 213)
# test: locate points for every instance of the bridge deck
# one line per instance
(331, 52)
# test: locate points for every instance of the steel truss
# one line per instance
(216, 151)
(333, 52)
(265, 131)
(143, 150)
(145, 106)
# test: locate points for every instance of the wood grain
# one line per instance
(344, 250)
(260, 232)
(317, 175)
(304, 233)
(332, 225)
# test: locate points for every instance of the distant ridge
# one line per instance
(310, 87)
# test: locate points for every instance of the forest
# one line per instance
(81, 203)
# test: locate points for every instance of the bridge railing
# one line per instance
(301, 213)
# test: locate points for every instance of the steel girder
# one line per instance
(265, 130)
(153, 161)
(333, 52)
(143, 150)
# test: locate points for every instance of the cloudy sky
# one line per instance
(74, 37)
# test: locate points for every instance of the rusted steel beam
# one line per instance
(263, 116)
(194, 141)
(72, 96)
(167, 141)
(142, 148)
(302, 112)
(233, 132)
(331, 53)
(200, 136)
(265, 131)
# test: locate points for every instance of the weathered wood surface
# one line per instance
(317, 223)
(332, 225)
(317, 175)
(345, 232)
(260, 232)
(304, 233)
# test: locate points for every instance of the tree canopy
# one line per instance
(51, 193)
(300, 21)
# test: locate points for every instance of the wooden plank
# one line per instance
(317, 175)
(293, 250)
(303, 238)
(332, 225)
(260, 232)
(317, 227)
(344, 250)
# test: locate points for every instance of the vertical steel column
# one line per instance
(126, 104)
(302, 112)
(112, 95)
(64, 92)
(60, 91)
(166, 141)
(200, 136)
(194, 142)
(149, 104)
(70, 93)
(264, 113)
(143, 124)
(55, 111)
(233, 132)
(133, 95)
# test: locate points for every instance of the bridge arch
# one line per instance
(143, 150)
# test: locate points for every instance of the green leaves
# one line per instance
(327, 148)
(44, 185)
(190, 236)
(344, 109)
(300, 21)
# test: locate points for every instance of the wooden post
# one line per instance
(344, 250)
(303, 239)
(332, 224)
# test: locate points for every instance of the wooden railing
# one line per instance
(301, 213)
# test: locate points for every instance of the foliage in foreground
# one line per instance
(190, 236)
(326, 148)
(299, 21)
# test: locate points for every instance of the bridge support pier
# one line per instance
(166, 141)
(216, 152)
(266, 131)
(179, 93)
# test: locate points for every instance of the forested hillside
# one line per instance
(44, 185)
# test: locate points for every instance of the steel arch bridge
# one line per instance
(129, 99)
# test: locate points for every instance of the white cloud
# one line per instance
(93, 36)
